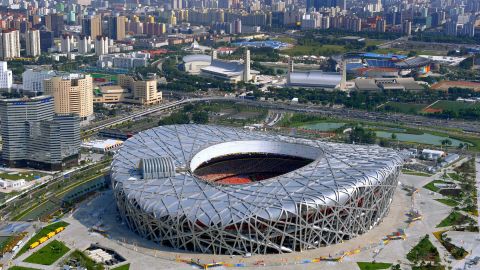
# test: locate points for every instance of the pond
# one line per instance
(424, 138)
(323, 126)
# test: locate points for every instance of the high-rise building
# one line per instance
(143, 91)
(438, 18)
(116, 27)
(32, 79)
(317, 4)
(72, 93)
(246, 70)
(46, 40)
(237, 26)
(32, 38)
(353, 24)
(34, 136)
(6, 77)
(469, 29)
(84, 44)
(176, 4)
(381, 26)
(324, 22)
(67, 43)
(54, 22)
(407, 28)
(172, 20)
(92, 26)
(9, 44)
(451, 28)
(101, 45)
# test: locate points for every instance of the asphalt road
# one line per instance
(394, 118)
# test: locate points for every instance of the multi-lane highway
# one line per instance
(408, 120)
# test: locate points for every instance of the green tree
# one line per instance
(175, 118)
(362, 135)
(200, 117)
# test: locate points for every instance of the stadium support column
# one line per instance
(246, 70)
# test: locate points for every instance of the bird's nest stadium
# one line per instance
(223, 190)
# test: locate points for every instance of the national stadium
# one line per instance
(224, 190)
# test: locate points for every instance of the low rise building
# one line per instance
(392, 84)
(231, 71)
(123, 60)
(13, 184)
(432, 154)
(144, 91)
(102, 146)
(111, 94)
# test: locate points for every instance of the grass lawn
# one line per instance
(104, 76)
(455, 176)
(376, 42)
(324, 50)
(455, 218)
(43, 232)
(123, 267)
(429, 267)
(85, 261)
(286, 40)
(48, 254)
(424, 251)
(431, 186)
(21, 268)
(410, 172)
(28, 176)
(373, 265)
(408, 108)
(448, 202)
(455, 106)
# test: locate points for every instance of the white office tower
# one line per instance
(343, 82)
(246, 71)
(214, 55)
(176, 4)
(10, 44)
(101, 45)
(32, 38)
(66, 45)
(290, 69)
(6, 78)
(84, 44)
(32, 79)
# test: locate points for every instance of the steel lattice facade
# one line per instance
(344, 192)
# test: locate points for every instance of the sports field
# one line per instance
(455, 106)
(107, 77)
(438, 106)
(323, 50)
(410, 108)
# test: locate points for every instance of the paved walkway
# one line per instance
(100, 211)
(475, 246)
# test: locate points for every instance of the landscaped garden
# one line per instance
(373, 265)
(454, 219)
(48, 254)
(42, 233)
(424, 251)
